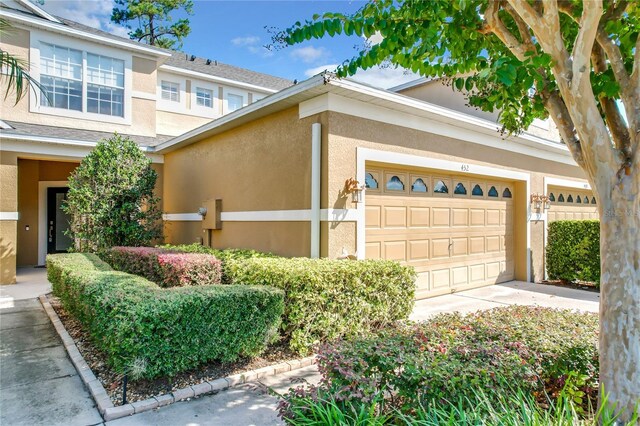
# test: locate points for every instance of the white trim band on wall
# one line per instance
(9, 215)
(326, 215)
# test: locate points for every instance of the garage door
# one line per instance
(571, 204)
(456, 231)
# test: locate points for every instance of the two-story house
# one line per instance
(273, 163)
(97, 84)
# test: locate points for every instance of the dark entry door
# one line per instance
(57, 221)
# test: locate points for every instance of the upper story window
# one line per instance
(62, 71)
(105, 85)
(170, 91)
(204, 97)
(61, 77)
(234, 102)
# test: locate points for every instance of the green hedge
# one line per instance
(451, 357)
(329, 299)
(223, 255)
(573, 250)
(148, 332)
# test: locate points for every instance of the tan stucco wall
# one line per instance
(144, 78)
(437, 93)
(8, 204)
(346, 133)
(174, 124)
(263, 165)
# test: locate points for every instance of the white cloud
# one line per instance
(309, 54)
(383, 77)
(246, 41)
(92, 13)
(253, 44)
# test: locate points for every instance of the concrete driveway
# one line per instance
(511, 293)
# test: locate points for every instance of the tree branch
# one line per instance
(561, 117)
(583, 45)
(496, 26)
(615, 122)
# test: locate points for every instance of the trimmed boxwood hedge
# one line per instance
(573, 250)
(224, 255)
(329, 299)
(148, 332)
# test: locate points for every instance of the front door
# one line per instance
(57, 221)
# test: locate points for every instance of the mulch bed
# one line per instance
(144, 389)
(578, 285)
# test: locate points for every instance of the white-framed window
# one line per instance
(63, 72)
(170, 91)
(61, 77)
(105, 85)
(204, 97)
(234, 102)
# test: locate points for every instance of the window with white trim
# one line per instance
(204, 97)
(170, 91)
(234, 102)
(61, 77)
(105, 85)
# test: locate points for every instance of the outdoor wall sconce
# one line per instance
(202, 211)
(353, 187)
(539, 201)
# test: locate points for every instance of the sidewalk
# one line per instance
(38, 383)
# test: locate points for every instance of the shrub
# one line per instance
(573, 250)
(154, 332)
(328, 299)
(224, 255)
(164, 267)
(111, 200)
(451, 356)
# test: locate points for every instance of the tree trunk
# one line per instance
(620, 297)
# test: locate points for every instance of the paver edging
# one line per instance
(110, 412)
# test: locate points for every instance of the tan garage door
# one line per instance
(456, 231)
(571, 204)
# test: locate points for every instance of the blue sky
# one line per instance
(234, 32)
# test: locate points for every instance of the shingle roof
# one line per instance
(28, 129)
(218, 69)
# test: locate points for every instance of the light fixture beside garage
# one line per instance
(538, 201)
(353, 187)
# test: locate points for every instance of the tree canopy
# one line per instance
(155, 25)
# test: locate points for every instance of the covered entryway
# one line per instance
(456, 230)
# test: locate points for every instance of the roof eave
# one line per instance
(61, 28)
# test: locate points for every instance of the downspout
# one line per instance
(316, 155)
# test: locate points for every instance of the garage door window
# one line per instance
(593, 200)
(506, 193)
(440, 188)
(569, 199)
(419, 186)
(395, 184)
(493, 192)
(585, 200)
(477, 191)
(370, 182)
(552, 197)
(460, 189)
(561, 198)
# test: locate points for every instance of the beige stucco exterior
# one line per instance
(174, 124)
(262, 166)
(8, 205)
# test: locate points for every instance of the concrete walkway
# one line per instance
(38, 384)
